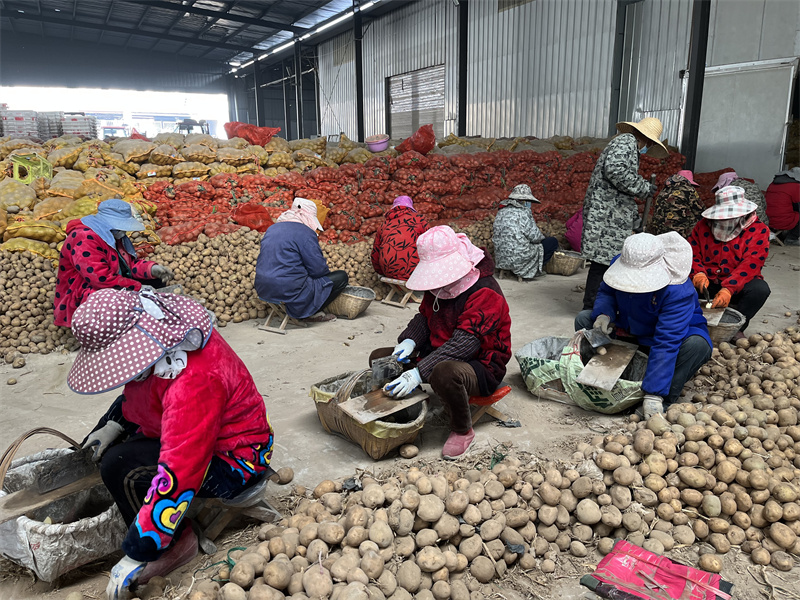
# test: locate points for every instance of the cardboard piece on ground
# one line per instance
(713, 315)
(28, 500)
(604, 370)
(377, 405)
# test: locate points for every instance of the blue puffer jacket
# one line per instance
(660, 320)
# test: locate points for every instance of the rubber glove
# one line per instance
(403, 350)
(652, 405)
(700, 282)
(163, 273)
(604, 324)
(722, 299)
(103, 438)
(123, 576)
(405, 384)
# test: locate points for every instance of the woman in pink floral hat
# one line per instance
(189, 423)
(460, 341)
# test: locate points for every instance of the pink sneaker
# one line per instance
(457, 444)
(178, 554)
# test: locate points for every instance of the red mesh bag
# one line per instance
(253, 216)
(178, 234)
(258, 136)
(215, 229)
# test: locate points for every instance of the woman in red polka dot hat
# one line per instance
(190, 421)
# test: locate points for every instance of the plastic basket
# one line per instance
(353, 301)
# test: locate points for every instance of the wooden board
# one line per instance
(603, 370)
(377, 405)
(28, 500)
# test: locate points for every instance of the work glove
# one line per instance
(404, 385)
(403, 350)
(652, 405)
(103, 438)
(604, 324)
(163, 273)
(722, 299)
(700, 282)
(123, 576)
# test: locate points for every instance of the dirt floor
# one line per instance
(285, 368)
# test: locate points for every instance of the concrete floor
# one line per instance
(285, 368)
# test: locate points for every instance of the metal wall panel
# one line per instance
(337, 86)
(417, 98)
(542, 68)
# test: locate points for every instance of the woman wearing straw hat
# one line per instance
(98, 254)
(730, 247)
(460, 341)
(646, 294)
(519, 246)
(609, 209)
(291, 268)
(394, 251)
(751, 192)
(189, 423)
(677, 206)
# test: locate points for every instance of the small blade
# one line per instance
(596, 337)
(62, 470)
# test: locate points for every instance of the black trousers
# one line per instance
(550, 245)
(749, 301)
(340, 281)
(593, 280)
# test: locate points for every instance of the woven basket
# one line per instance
(729, 324)
(378, 438)
(353, 301)
(564, 263)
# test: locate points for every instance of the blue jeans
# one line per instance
(693, 354)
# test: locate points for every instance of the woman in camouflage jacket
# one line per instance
(678, 207)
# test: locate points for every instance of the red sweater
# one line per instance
(87, 263)
(782, 201)
(731, 264)
(394, 252)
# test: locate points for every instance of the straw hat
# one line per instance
(523, 192)
(651, 128)
(440, 260)
(120, 339)
(641, 267)
(677, 256)
(730, 203)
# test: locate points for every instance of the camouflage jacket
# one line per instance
(677, 208)
(753, 193)
(609, 209)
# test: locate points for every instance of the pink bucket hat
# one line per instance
(688, 175)
(730, 203)
(641, 267)
(120, 339)
(404, 201)
(441, 260)
(725, 180)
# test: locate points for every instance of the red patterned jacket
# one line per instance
(394, 252)
(87, 263)
(731, 264)
(474, 327)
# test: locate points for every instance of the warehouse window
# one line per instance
(509, 4)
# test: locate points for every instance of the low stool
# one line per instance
(397, 288)
(508, 274)
(480, 405)
(278, 311)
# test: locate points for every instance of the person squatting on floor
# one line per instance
(730, 246)
(189, 423)
(460, 341)
(646, 295)
(783, 205)
(519, 245)
(610, 212)
(394, 250)
(677, 207)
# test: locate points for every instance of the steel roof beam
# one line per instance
(210, 24)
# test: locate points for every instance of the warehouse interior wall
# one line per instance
(27, 61)
(336, 77)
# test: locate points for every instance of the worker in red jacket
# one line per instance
(729, 247)
(98, 254)
(783, 205)
(460, 341)
(394, 251)
(189, 423)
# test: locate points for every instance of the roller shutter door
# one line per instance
(417, 98)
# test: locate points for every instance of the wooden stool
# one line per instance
(397, 287)
(481, 405)
(279, 311)
(216, 513)
(508, 274)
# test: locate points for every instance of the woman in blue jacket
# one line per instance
(291, 268)
(646, 294)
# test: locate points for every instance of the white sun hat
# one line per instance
(641, 267)
(677, 256)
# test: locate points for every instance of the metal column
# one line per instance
(259, 101)
(463, 31)
(298, 90)
(359, 64)
(701, 15)
(285, 101)
(233, 104)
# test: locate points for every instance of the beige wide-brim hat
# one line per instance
(651, 128)
(640, 267)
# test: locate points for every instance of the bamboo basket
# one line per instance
(378, 438)
(564, 263)
(729, 324)
(353, 301)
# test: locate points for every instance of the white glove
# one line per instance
(652, 405)
(403, 350)
(163, 273)
(405, 384)
(103, 438)
(604, 324)
(123, 576)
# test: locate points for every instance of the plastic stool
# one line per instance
(481, 405)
